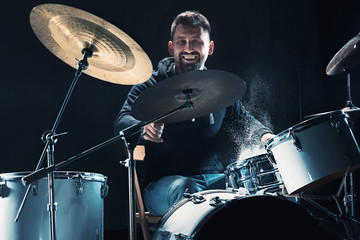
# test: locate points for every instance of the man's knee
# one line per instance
(180, 186)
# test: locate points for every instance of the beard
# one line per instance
(187, 67)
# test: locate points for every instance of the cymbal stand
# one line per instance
(124, 135)
(346, 214)
(349, 103)
(50, 138)
(131, 164)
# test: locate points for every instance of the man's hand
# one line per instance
(266, 137)
(153, 131)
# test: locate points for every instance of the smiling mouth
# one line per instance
(189, 57)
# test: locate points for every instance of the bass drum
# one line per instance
(79, 214)
(224, 214)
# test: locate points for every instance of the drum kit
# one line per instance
(301, 158)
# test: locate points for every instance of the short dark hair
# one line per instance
(190, 18)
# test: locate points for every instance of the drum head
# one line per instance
(243, 217)
(261, 217)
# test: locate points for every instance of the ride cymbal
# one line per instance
(346, 58)
(211, 90)
(352, 112)
(66, 31)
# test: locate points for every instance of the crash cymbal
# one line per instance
(346, 58)
(211, 90)
(65, 31)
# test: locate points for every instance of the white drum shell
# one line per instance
(328, 150)
(234, 216)
(185, 221)
(79, 214)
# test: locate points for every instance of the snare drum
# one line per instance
(254, 174)
(79, 215)
(224, 214)
(315, 151)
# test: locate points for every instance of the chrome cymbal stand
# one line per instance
(124, 135)
(50, 138)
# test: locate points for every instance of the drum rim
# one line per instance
(90, 176)
(245, 160)
(179, 204)
(160, 230)
(302, 126)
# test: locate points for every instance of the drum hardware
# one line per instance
(179, 98)
(104, 190)
(126, 136)
(345, 59)
(195, 198)
(295, 141)
(77, 217)
(328, 149)
(66, 32)
(344, 201)
(50, 138)
(2, 189)
(225, 214)
(253, 174)
(79, 188)
(217, 201)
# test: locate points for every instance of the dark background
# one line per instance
(280, 48)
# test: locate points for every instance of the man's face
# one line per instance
(190, 47)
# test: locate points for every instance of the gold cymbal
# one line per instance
(346, 58)
(65, 31)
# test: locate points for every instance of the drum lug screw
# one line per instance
(295, 141)
(34, 187)
(336, 124)
(79, 188)
(2, 189)
(104, 190)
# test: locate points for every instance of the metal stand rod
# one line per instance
(124, 134)
(345, 215)
(349, 101)
(352, 194)
(132, 198)
(49, 138)
(127, 133)
(131, 165)
(52, 205)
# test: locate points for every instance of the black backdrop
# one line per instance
(279, 47)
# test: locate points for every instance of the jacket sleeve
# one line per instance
(254, 128)
(124, 119)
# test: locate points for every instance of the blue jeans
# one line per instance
(160, 195)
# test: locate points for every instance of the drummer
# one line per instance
(181, 157)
